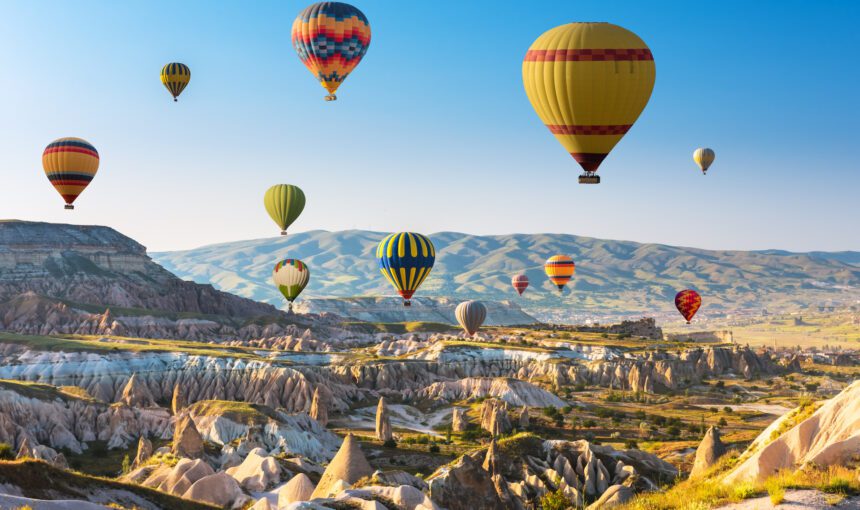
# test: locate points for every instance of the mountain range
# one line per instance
(612, 277)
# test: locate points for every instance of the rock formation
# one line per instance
(523, 421)
(512, 391)
(299, 488)
(136, 394)
(465, 486)
(187, 441)
(830, 435)
(494, 417)
(491, 460)
(144, 451)
(459, 421)
(318, 411)
(177, 401)
(348, 466)
(218, 489)
(709, 451)
(257, 472)
(383, 422)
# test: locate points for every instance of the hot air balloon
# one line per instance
(291, 277)
(704, 157)
(175, 77)
(688, 302)
(70, 164)
(560, 269)
(331, 38)
(588, 83)
(520, 283)
(284, 203)
(405, 259)
(470, 315)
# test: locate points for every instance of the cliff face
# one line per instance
(93, 265)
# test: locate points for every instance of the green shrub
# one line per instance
(6, 452)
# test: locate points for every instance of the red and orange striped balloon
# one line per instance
(688, 302)
(70, 164)
(520, 282)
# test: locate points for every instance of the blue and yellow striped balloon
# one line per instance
(405, 259)
(175, 77)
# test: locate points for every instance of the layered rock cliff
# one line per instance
(94, 265)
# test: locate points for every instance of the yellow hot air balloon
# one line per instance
(588, 82)
(175, 77)
(704, 157)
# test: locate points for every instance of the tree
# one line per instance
(126, 464)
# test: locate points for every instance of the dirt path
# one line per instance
(796, 500)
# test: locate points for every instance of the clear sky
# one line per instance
(433, 131)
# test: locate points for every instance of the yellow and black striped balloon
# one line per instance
(175, 77)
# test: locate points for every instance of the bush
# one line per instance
(775, 491)
(631, 444)
(554, 501)
(673, 431)
(6, 452)
(434, 448)
(722, 422)
(391, 443)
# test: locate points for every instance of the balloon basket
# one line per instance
(589, 179)
(331, 97)
(175, 100)
(69, 206)
(407, 303)
(283, 232)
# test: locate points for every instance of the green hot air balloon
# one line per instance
(284, 203)
(291, 277)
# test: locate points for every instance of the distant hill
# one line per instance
(619, 277)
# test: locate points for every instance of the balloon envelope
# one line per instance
(405, 259)
(560, 269)
(688, 302)
(291, 276)
(520, 282)
(70, 164)
(284, 203)
(175, 77)
(331, 38)
(588, 83)
(704, 157)
(470, 315)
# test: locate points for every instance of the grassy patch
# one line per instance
(402, 327)
(45, 391)
(239, 412)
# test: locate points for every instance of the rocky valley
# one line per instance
(125, 385)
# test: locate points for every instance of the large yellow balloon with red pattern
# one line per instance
(588, 83)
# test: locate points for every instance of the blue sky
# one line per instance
(433, 131)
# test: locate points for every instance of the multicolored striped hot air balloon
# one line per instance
(70, 164)
(405, 259)
(284, 203)
(588, 82)
(704, 157)
(175, 77)
(520, 282)
(470, 315)
(291, 276)
(560, 270)
(688, 302)
(331, 38)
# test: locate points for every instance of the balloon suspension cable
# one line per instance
(283, 232)
(331, 97)
(69, 206)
